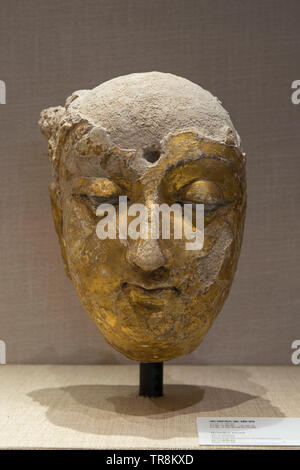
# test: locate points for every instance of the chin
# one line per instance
(157, 344)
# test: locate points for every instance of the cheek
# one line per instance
(222, 250)
(225, 224)
(214, 226)
(90, 259)
(80, 235)
(200, 269)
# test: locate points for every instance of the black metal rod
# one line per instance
(151, 379)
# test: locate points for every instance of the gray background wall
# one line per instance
(247, 53)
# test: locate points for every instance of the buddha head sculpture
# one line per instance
(157, 139)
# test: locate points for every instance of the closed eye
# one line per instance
(95, 191)
(203, 192)
(94, 201)
(209, 207)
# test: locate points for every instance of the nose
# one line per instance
(146, 255)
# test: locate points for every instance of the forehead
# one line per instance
(138, 110)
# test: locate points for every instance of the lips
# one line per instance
(149, 289)
(152, 298)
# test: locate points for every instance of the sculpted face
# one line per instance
(154, 138)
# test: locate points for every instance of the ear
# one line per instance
(49, 122)
(58, 221)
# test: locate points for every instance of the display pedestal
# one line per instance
(151, 379)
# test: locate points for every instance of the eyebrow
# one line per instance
(83, 184)
(220, 159)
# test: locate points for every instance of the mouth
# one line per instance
(149, 289)
(150, 298)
